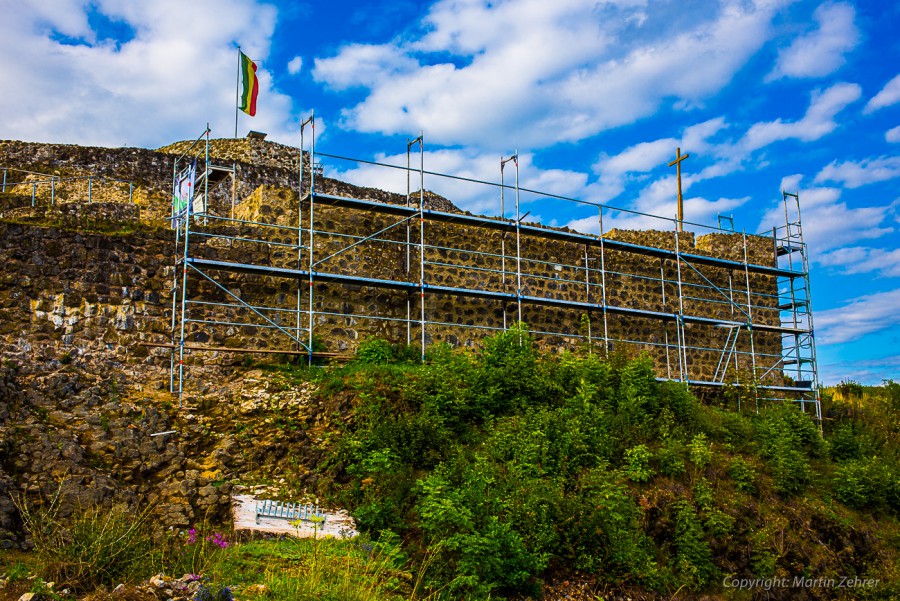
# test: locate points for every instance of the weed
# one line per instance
(95, 546)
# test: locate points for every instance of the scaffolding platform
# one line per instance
(735, 312)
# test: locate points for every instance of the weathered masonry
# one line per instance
(323, 266)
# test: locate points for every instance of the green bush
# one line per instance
(637, 464)
(476, 550)
(495, 466)
(743, 475)
(867, 484)
(700, 451)
(603, 533)
(845, 442)
(374, 351)
(693, 557)
(788, 439)
(671, 456)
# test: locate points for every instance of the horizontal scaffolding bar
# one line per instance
(324, 277)
(543, 232)
(229, 349)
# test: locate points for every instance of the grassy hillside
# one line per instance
(495, 473)
(501, 468)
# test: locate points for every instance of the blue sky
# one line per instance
(595, 96)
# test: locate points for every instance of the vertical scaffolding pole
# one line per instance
(408, 245)
(679, 321)
(518, 245)
(177, 223)
(184, 280)
(603, 285)
(312, 229)
(587, 297)
(750, 322)
(300, 227)
(662, 287)
(421, 142)
(503, 163)
(791, 280)
(732, 306)
(208, 171)
(422, 232)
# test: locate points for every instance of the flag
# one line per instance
(184, 191)
(250, 86)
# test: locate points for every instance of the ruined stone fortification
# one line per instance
(84, 284)
(112, 288)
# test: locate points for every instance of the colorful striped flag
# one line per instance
(251, 86)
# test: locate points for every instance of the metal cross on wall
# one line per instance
(677, 162)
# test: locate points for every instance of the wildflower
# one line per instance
(218, 540)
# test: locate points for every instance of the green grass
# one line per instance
(304, 569)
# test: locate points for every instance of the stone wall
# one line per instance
(130, 302)
(463, 256)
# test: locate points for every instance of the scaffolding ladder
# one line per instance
(798, 346)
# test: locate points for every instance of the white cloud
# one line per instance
(828, 222)
(656, 208)
(362, 65)
(295, 65)
(893, 135)
(472, 164)
(858, 317)
(817, 122)
(633, 163)
(861, 259)
(75, 83)
(889, 95)
(855, 174)
(483, 73)
(871, 372)
(820, 52)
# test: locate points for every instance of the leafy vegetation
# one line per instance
(506, 465)
(480, 475)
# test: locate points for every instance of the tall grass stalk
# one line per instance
(92, 547)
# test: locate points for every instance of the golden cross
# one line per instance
(677, 162)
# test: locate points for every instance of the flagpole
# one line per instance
(237, 92)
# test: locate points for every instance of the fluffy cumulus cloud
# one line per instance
(855, 174)
(858, 317)
(889, 95)
(482, 72)
(481, 196)
(829, 222)
(634, 164)
(821, 51)
(117, 63)
(862, 259)
(893, 135)
(295, 65)
(818, 121)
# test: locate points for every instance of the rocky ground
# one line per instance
(93, 434)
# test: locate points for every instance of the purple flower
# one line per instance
(218, 540)
(192, 536)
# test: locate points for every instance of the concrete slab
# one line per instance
(338, 524)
